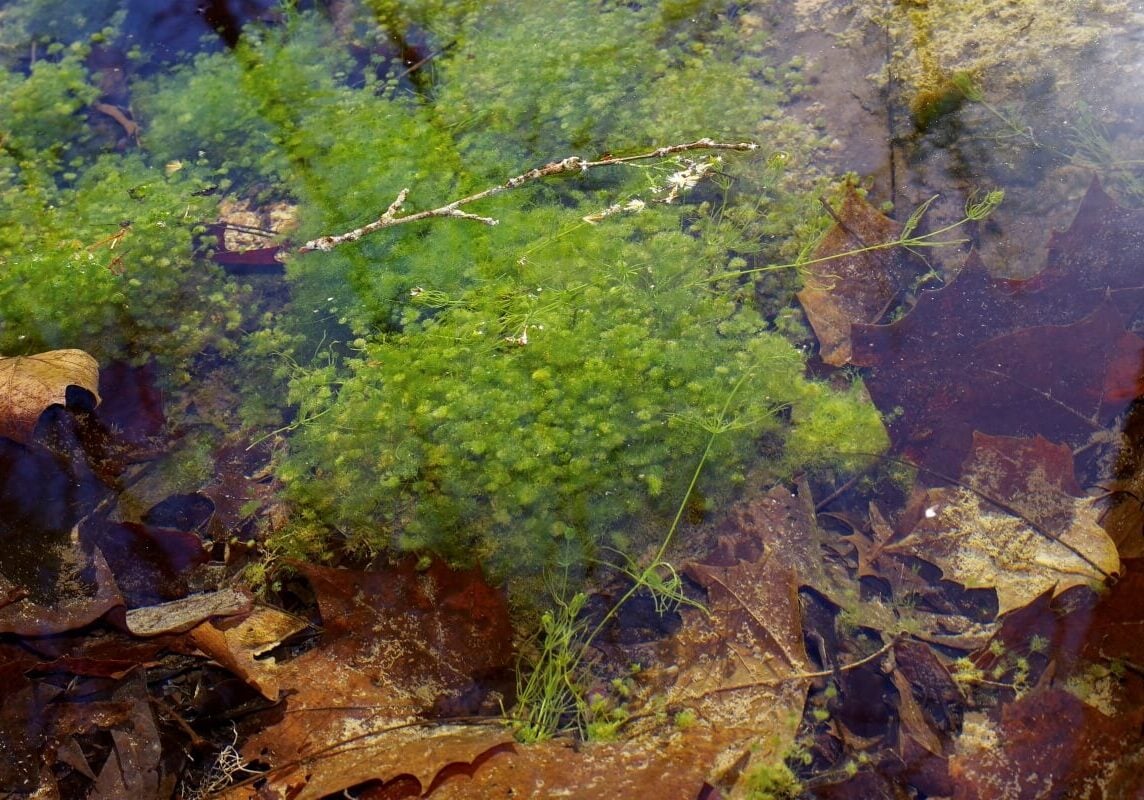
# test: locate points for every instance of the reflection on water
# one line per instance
(708, 381)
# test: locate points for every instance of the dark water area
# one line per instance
(750, 409)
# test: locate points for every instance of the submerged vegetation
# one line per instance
(566, 464)
(520, 396)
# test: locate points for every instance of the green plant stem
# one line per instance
(974, 211)
(642, 581)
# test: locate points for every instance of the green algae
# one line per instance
(520, 395)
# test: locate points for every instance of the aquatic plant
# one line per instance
(523, 394)
(518, 395)
(97, 247)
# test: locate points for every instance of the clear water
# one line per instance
(615, 367)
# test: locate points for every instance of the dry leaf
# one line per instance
(29, 384)
(237, 647)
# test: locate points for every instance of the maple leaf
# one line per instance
(950, 373)
(1048, 743)
(1100, 251)
(843, 286)
(396, 643)
(1021, 533)
(742, 665)
(30, 384)
(1047, 355)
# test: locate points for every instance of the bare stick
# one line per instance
(453, 209)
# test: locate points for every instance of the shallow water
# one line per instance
(612, 375)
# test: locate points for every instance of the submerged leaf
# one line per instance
(29, 384)
(851, 288)
(398, 644)
(980, 546)
(742, 663)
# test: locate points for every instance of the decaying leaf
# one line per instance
(1049, 743)
(29, 384)
(979, 545)
(418, 757)
(397, 643)
(663, 768)
(133, 767)
(237, 647)
(1047, 355)
(1020, 525)
(69, 612)
(850, 288)
(742, 663)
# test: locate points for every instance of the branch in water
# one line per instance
(453, 209)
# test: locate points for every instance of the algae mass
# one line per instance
(522, 395)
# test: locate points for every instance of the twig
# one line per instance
(570, 164)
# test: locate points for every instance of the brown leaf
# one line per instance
(397, 642)
(418, 753)
(667, 768)
(29, 384)
(869, 548)
(132, 768)
(1050, 744)
(915, 724)
(236, 647)
(979, 545)
(851, 288)
(82, 607)
(742, 663)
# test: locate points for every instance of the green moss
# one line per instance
(771, 782)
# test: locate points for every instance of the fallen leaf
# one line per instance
(368, 755)
(664, 768)
(843, 289)
(29, 384)
(151, 565)
(868, 549)
(948, 379)
(742, 666)
(237, 647)
(912, 718)
(978, 545)
(1049, 744)
(1100, 251)
(1046, 355)
(396, 643)
(133, 766)
(76, 610)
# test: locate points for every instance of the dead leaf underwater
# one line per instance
(30, 384)
(858, 287)
(1048, 355)
(396, 644)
